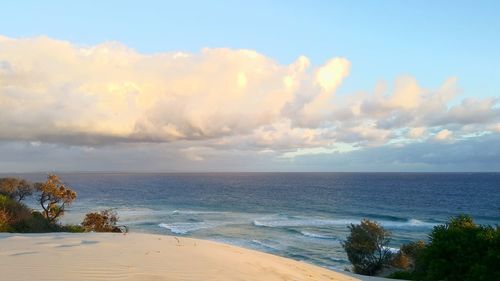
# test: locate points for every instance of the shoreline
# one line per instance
(141, 256)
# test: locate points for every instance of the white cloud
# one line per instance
(416, 133)
(443, 135)
(330, 75)
(52, 91)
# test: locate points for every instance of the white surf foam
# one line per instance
(392, 250)
(277, 221)
(296, 222)
(193, 212)
(316, 235)
(185, 227)
(266, 245)
(408, 224)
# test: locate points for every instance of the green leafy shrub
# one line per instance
(404, 275)
(366, 247)
(12, 213)
(37, 223)
(461, 250)
(73, 228)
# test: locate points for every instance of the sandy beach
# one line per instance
(135, 256)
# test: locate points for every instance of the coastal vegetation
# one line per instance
(15, 189)
(458, 250)
(54, 197)
(103, 221)
(366, 247)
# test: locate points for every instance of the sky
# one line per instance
(206, 86)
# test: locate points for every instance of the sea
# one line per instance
(303, 216)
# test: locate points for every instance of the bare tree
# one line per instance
(54, 197)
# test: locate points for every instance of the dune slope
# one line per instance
(107, 256)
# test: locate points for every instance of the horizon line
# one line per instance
(250, 172)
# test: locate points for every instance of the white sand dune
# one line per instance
(144, 257)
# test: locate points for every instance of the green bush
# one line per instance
(366, 247)
(73, 228)
(15, 217)
(12, 213)
(404, 275)
(461, 250)
(37, 223)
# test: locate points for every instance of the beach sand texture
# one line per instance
(145, 257)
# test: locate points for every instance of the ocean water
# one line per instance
(303, 216)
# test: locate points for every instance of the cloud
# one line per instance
(466, 155)
(52, 90)
(201, 104)
(416, 133)
(471, 154)
(473, 111)
(443, 135)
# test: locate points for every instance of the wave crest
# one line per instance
(316, 235)
(185, 227)
(277, 222)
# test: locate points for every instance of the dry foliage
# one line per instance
(16, 189)
(103, 221)
(4, 220)
(401, 261)
(54, 197)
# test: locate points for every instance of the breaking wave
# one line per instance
(316, 235)
(309, 222)
(185, 227)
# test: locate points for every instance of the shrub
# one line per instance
(366, 247)
(405, 275)
(413, 249)
(461, 250)
(402, 261)
(16, 189)
(103, 221)
(54, 198)
(5, 221)
(73, 228)
(408, 254)
(37, 223)
(12, 214)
